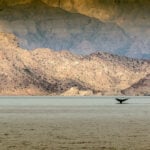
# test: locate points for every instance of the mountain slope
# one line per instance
(120, 27)
(47, 72)
(142, 87)
(37, 26)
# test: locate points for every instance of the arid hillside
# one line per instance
(48, 72)
(82, 27)
(142, 87)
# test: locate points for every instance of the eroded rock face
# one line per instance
(120, 27)
(104, 10)
(9, 3)
(37, 26)
(132, 16)
(47, 72)
(142, 87)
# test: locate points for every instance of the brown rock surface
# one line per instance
(142, 87)
(80, 26)
(47, 72)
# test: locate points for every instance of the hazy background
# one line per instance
(82, 27)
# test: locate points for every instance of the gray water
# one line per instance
(69, 101)
(75, 123)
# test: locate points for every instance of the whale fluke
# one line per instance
(121, 100)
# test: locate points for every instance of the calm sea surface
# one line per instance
(68, 101)
(74, 123)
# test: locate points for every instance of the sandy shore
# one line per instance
(112, 127)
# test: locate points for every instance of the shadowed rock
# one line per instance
(119, 27)
(47, 72)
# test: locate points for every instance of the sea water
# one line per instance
(68, 101)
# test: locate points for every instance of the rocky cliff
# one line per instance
(47, 72)
(83, 27)
(142, 87)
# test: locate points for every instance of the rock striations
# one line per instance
(81, 26)
(48, 72)
(142, 87)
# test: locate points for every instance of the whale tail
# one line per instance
(121, 100)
